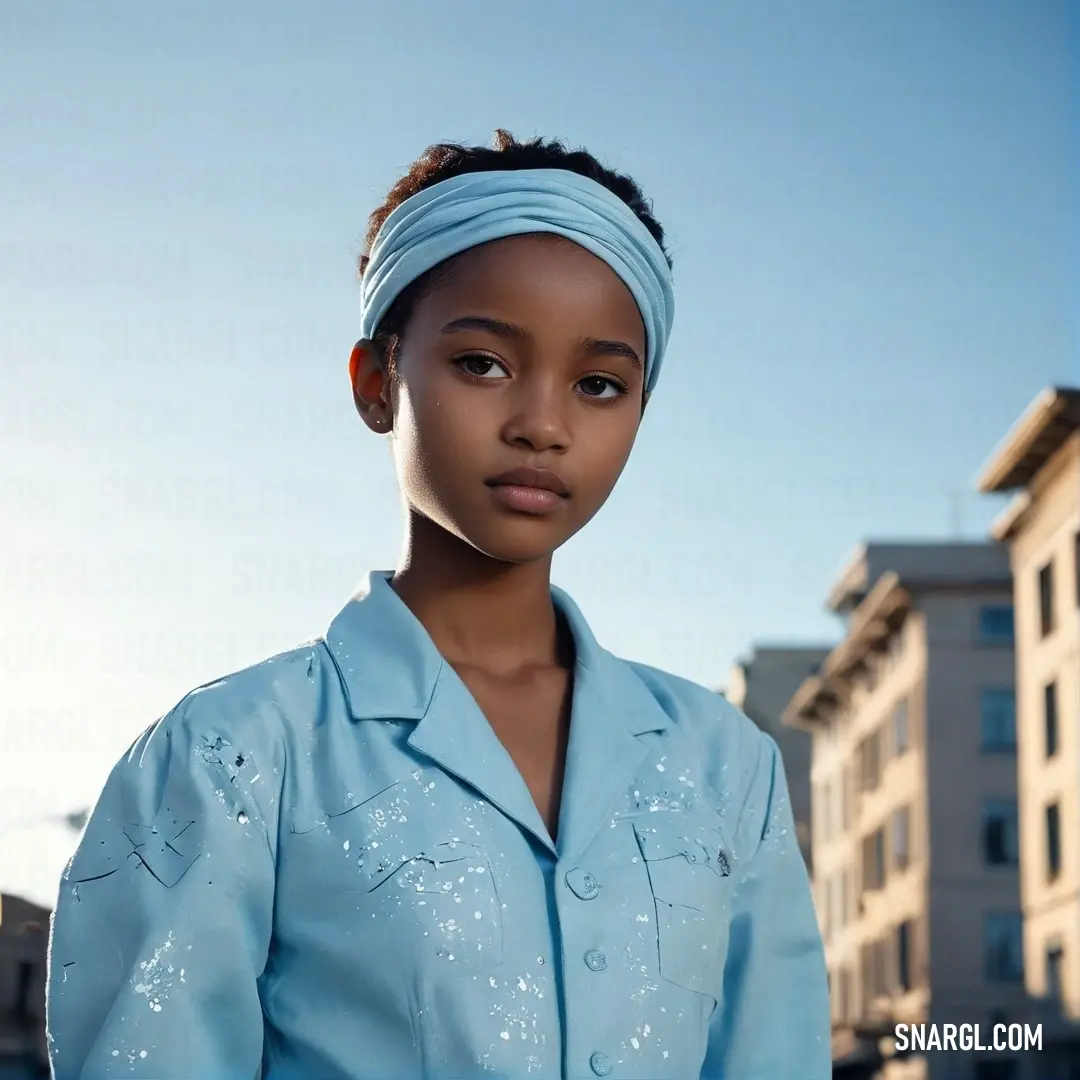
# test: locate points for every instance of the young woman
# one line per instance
(455, 837)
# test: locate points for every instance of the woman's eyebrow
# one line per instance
(602, 347)
(492, 326)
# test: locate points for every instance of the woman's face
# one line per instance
(517, 395)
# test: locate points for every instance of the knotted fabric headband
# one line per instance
(465, 211)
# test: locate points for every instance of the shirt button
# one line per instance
(600, 1063)
(595, 960)
(582, 884)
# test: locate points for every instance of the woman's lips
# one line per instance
(527, 500)
(530, 491)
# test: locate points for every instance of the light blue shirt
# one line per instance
(326, 866)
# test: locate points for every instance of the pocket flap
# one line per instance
(380, 864)
(675, 837)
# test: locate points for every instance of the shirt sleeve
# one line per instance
(163, 922)
(773, 1022)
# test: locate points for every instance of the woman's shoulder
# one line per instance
(691, 700)
(222, 747)
(254, 706)
(704, 713)
(739, 763)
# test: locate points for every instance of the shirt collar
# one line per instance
(389, 665)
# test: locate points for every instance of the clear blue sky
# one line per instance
(872, 208)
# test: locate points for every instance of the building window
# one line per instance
(1000, 833)
(1055, 963)
(903, 956)
(1046, 598)
(870, 761)
(845, 895)
(873, 860)
(1053, 841)
(24, 981)
(874, 960)
(845, 994)
(1003, 948)
(901, 730)
(1076, 567)
(1050, 718)
(901, 838)
(996, 624)
(997, 719)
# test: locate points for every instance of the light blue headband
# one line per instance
(465, 211)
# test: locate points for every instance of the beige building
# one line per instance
(913, 780)
(761, 687)
(1039, 461)
(24, 930)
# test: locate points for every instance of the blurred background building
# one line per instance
(913, 781)
(761, 685)
(1039, 462)
(47, 840)
(23, 943)
(944, 775)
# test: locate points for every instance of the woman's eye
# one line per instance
(481, 367)
(599, 386)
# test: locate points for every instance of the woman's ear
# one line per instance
(371, 386)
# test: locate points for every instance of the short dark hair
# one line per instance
(442, 161)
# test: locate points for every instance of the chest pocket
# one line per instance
(396, 883)
(690, 878)
(436, 897)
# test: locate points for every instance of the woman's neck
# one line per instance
(479, 612)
